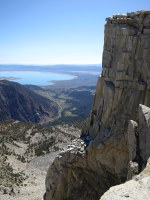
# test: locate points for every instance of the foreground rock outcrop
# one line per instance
(139, 151)
(124, 84)
(135, 189)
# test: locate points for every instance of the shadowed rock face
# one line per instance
(139, 152)
(19, 103)
(135, 189)
(123, 85)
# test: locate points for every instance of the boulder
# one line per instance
(135, 189)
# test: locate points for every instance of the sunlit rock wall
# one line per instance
(123, 85)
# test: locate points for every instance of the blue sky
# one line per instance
(57, 31)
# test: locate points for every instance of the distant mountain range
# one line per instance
(19, 103)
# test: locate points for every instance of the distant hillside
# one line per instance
(19, 103)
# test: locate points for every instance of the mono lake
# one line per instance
(34, 77)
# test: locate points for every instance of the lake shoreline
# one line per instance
(66, 76)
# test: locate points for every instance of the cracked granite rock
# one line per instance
(122, 86)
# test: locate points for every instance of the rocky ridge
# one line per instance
(123, 85)
(19, 103)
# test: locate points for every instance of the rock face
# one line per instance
(19, 103)
(123, 85)
(135, 189)
(139, 141)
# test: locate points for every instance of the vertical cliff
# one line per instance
(125, 79)
(122, 86)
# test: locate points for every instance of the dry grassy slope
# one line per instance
(26, 151)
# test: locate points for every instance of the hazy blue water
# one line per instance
(33, 77)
